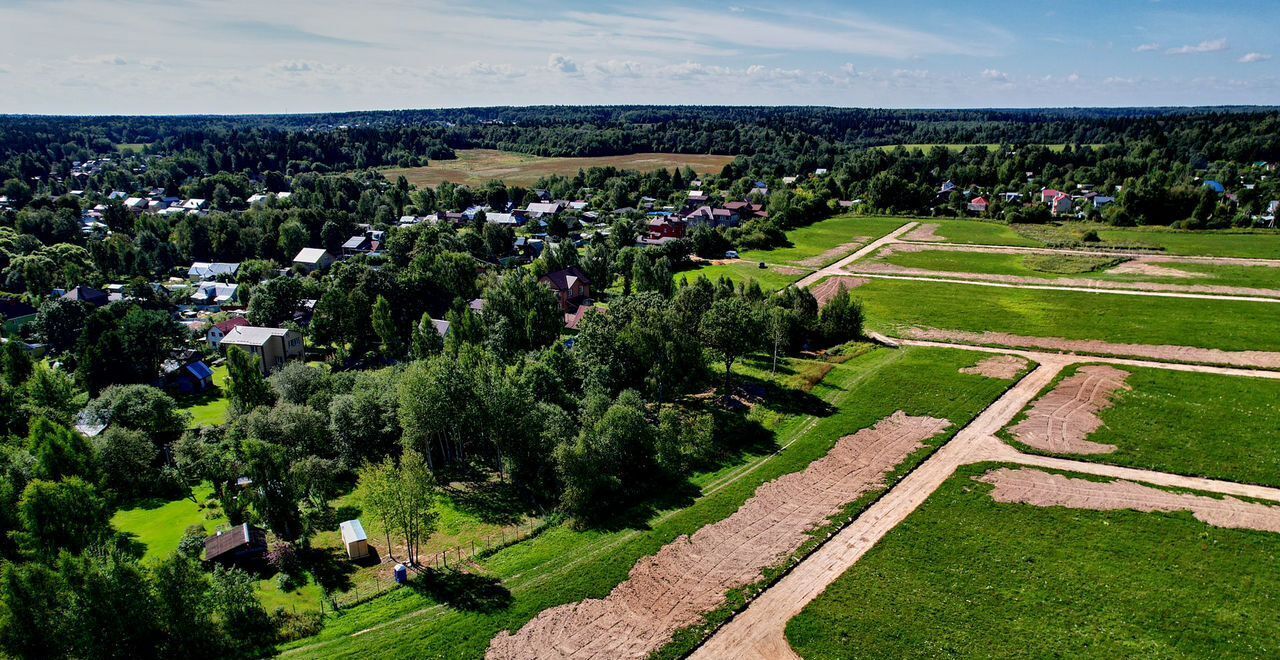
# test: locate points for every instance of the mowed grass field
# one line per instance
(1200, 425)
(1229, 325)
(819, 244)
(474, 167)
(1259, 244)
(965, 576)
(977, 232)
(564, 565)
(1024, 265)
(159, 525)
(211, 407)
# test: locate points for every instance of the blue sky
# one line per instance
(233, 56)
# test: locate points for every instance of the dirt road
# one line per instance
(837, 268)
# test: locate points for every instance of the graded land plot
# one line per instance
(565, 565)
(1070, 269)
(968, 576)
(770, 278)
(974, 232)
(824, 243)
(896, 306)
(1255, 244)
(474, 167)
(1195, 424)
(692, 575)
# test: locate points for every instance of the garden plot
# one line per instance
(692, 575)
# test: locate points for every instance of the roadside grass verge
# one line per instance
(978, 232)
(1194, 424)
(966, 576)
(564, 565)
(1223, 324)
(821, 239)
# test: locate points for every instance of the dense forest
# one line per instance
(610, 414)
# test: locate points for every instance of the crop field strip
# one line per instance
(758, 630)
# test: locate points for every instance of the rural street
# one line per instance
(837, 267)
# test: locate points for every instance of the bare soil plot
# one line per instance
(1003, 367)
(1039, 488)
(691, 576)
(834, 254)
(827, 289)
(1246, 359)
(1061, 420)
(1149, 269)
(926, 232)
(474, 167)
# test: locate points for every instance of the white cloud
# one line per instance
(1212, 46)
(562, 64)
(995, 75)
(1073, 78)
(1251, 58)
(1147, 48)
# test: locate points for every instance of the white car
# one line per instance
(731, 254)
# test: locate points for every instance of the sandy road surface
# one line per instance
(759, 630)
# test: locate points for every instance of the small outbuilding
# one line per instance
(354, 539)
(242, 544)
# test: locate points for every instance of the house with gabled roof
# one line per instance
(571, 286)
(272, 346)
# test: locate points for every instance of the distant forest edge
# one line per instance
(342, 141)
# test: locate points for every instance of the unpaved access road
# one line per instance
(759, 630)
(837, 268)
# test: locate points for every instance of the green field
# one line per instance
(159, 525)
(740, 272)
(1258, 244)
(1023, 265)
(210, 408)
(964, 576)
(563, 565)
(978, 232)
(895, 304)
(815, 246)
(1201, 425)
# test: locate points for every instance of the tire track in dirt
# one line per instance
(1040, 488)
(691, 576)
(1001, 367)
(1060, 422)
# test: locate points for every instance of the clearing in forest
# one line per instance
(475, 167)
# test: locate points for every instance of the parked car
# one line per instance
(731, 254)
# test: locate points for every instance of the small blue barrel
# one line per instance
(402, 574)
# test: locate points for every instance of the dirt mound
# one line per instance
(690, 576)
(834, 254)
(926, 232)
(1038, 488)
(1246, 359)
(1003, 367)
(826, 290)
(1059, 421)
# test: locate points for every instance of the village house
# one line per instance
(241, 545)
(214, 294)
(272, 346)
(87, 294)
(571, 286)
(219, 330)
(312, 259)
(706, 215)
(539, 210)
(203, 270)
(979, 205)
(1060, 204)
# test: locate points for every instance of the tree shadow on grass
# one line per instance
(462, 590)
(331, 568)
(493, 502)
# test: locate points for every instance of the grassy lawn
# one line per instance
(1202, 425)
(1027, 265)
(1224, 324)
(964, 576)
(822, 238)
(978, 232)
(564, 565)
(210, 408)
(474, 167)
(1259, 244)
(740, 272)
(159, 525)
